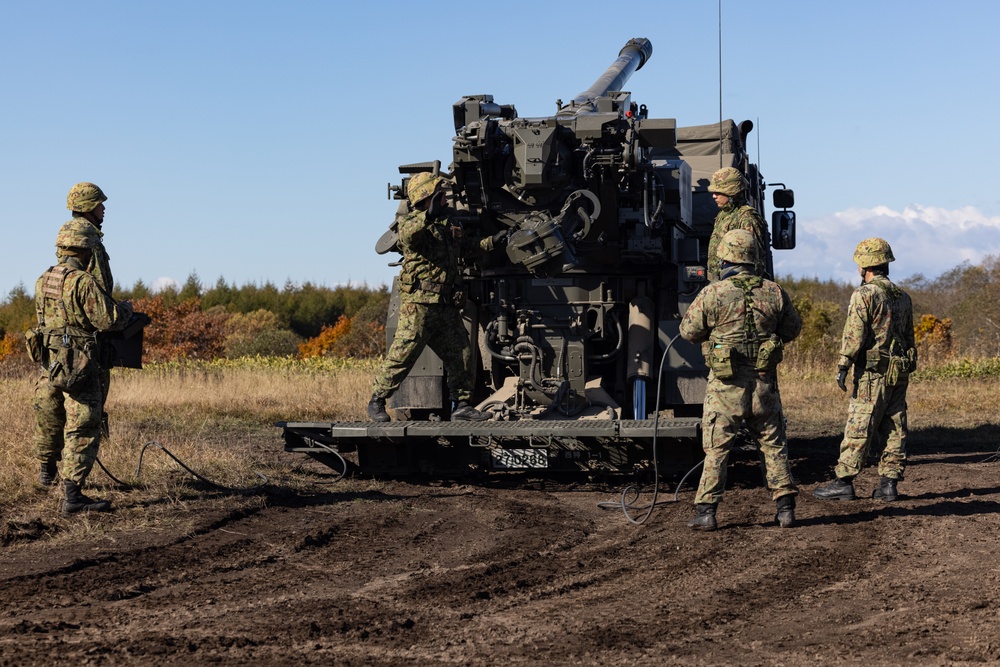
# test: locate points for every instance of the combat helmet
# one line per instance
(738, 247)
(873, 252)
(84, 197)
(422, 186)
(78, 235)
(727, 181)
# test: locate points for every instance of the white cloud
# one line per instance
(165, 282)
(925, 240)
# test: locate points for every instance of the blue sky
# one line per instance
(254, 140)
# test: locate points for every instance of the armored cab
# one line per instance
(574, 323)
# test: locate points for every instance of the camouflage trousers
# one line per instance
(68, 426)
(877, 416)
(439, 326)
(749, 399)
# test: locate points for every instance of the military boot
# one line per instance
(886, 490)
(841, 488)
(376, 409)
(705, 518)
(47, 474)
(464, 412)
(786, 511)
(77, 502)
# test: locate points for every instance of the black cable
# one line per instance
(113, 478)
(681, 483)
(228, 489)
(166, 451)
(343, 462)
(631, 492)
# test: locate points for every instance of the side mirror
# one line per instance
(783, 198)
(783, 230)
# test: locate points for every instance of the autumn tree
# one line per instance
(182, 331)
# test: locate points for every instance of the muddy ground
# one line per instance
(527, 571)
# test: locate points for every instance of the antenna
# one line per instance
(720, 85)
(758, 144)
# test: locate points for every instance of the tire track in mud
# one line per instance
(421, 574)
(660, 572)
(144, 594)
(513, 594)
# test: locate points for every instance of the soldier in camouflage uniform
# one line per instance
(431, 299)
(86, 202)
(72, 306)
(878, 344)
(728, 190)
(746, 320)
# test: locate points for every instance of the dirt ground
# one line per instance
(528, 571)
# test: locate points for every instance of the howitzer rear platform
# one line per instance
(593, 445)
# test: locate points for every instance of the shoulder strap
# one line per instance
(748, 283)
(53, 282)
(892, 292)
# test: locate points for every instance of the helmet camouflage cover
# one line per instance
(873, 252)
(84, 197)
(422, 186)
(727, 181)
(738, 247)
(80, 235)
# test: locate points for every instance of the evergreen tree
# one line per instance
(17, 313)
(191, 288)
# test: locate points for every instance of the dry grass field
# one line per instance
(306, 569)
(217, 418)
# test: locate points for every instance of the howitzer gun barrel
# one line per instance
(630, 59)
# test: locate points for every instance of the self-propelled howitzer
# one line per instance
(574, 324)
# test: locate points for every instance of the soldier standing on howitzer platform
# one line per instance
(746, 320)
(431, 299)
(728, 188)
(878, 343)
(72, 307)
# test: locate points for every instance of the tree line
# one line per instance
(226, 320)
(956, 315)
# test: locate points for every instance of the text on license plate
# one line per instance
(506, 459)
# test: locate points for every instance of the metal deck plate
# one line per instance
(591, 428)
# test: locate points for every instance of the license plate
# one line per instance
(519, 459)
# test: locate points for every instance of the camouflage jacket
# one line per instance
(431, 252)
(100, 264)
(719, 311)
(879, 312)
(733, 216)
(67, 296)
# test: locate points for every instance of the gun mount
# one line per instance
(574, 327)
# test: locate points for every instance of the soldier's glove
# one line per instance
(500, 239)
(842, 378)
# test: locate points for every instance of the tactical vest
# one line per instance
(66, 352)
(898, 361)
(763, 354)
(448, 285)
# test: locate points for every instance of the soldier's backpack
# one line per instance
(67, 353)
